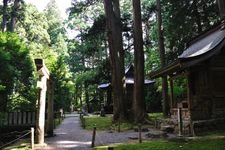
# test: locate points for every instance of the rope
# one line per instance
(15, 140)
(15, 132)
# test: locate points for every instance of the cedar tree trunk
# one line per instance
(114, 34)
(4, 15)
(165, 101)
(14, 15)
(138, 101)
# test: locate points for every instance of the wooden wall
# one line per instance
(217, 70)
(207, 91)
(200, 94)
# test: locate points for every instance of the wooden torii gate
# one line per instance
(44, 84)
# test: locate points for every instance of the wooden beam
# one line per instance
(41, 68)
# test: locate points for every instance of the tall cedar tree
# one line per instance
(4, 15)
(165, 102)
(114, 33)
(138, 102)
(14, 15)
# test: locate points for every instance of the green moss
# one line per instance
(21, 145)
(198, 144)
(101, 123)
(104, 123)
(156, 115)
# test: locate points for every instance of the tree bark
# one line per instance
(4, 15)
(14, 15)
(165, 101)
(138, 101)
(114, 34)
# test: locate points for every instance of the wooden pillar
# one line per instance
(171, 93)
(41, 112)
(50, 121)
(190, 100)
(42, 86)
(180, 121)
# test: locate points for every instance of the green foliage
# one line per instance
(183, 20)
(156, 115)
(180, 88)
(153, 99)
(44, 36)
(104, 123)
(55, 22)
(16, 70)
(2, 87)
(88, 76)
(33, 26)
(101, 123)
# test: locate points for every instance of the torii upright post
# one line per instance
(50, 121)
(42, 87)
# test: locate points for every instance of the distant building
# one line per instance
(129, 80)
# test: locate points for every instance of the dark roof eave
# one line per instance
(166, 70)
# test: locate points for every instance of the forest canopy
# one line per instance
(79, 64)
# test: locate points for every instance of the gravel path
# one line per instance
(70, 136)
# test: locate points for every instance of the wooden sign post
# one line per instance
(42, 87)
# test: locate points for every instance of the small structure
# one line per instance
(107, 97)
(202, 67)
(129, 80)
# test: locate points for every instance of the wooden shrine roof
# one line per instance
(129, 74)
(201, 48)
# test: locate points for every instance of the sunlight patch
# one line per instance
(71, 144)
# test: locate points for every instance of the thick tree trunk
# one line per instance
(4, 15)
(14, 15)
(165, 100)
(139, 101)
(116, 56)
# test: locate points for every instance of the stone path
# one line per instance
(70, 136)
